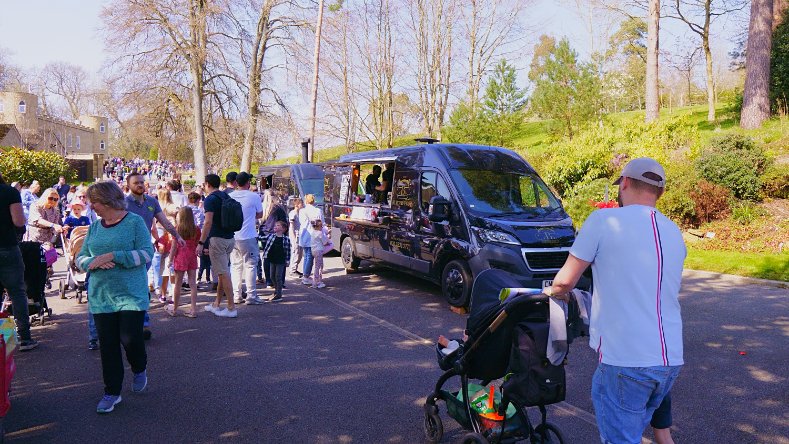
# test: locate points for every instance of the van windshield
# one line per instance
(491, 193)
(315, 187)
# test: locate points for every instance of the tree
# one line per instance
(172, 36)
(756, 95)
(565, 90)
(779, 69)
(314, 100)
(433, 22)
(707, 11)
(628, 53)
(489, 27)
(69, 82)
(503, 104)
(652, 95)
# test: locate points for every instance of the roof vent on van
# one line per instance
(427, 140)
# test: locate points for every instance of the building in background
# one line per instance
(84, 142)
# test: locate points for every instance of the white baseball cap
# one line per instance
(646, 170)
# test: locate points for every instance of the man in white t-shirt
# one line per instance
(636, 254)
(245, 255)
(306, 215)
(178, 197)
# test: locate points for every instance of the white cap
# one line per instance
(646, 170)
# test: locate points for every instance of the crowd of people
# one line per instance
(239, 238)
(117, 168)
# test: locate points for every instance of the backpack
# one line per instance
(533, 380)
(232, 214)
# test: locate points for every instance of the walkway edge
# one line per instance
(733, 277)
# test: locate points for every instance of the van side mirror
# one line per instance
(439, 210)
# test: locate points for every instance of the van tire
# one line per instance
(348, 255)
(456, 282)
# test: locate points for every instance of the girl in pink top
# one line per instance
(185, 260)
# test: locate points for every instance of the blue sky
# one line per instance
(64, 30)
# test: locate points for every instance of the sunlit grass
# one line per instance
(757, 265)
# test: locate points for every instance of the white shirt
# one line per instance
(306, 215)
(250, 206)
(179, 199)
(637, 255)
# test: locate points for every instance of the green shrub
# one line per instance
(775, 181)
(746, 212)
(579, 205)
(711, 201)
(676, 202)
(21, 165)
(734, 162)
(586, 158)
(189, 183)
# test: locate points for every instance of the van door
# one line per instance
(398, 243)
(431, 234)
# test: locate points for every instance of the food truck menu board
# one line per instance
(345, 184)
(404, 193)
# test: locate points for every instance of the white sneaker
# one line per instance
(225, 313)
(238, 300)
(306, 281)
(210, 308)
(321, 285)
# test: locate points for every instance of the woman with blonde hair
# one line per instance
(44, 221)
(162, 262)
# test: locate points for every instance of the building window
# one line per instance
(101, 145)
(77, 142)
(101, 128)
(68, 138)
(22, 106)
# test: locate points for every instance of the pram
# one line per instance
(506, 339)
(75, 279)
(35, 262)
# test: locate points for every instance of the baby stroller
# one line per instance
(35, 280)
(507, 338)
(75, 279)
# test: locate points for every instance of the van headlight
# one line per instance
(495, 236)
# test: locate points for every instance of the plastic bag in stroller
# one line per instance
(34, 257)
(510, 336)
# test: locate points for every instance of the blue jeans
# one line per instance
(624, 399)
(12, 278)
(156, 263)
(307, 262)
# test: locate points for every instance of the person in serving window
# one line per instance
(371, 181)
(386, 183)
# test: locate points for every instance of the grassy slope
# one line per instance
(534, 140)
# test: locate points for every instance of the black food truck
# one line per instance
(297, 180)
(445, 212)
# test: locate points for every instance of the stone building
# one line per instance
(83, 141)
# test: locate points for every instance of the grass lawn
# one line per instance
(757, 265)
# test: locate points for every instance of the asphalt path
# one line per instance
(353, 362)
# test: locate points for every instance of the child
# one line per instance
(205, 264)
(319, 241)
(162, 251)
(76, 219)
(277, 251)
(185, 259)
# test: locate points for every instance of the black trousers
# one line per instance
(122, 328)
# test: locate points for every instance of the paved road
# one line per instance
(353, 362)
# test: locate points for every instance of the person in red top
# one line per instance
(185, 259)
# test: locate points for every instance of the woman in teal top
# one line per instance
(115, 252)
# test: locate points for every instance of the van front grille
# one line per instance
(545, 260)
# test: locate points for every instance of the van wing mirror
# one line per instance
(439, 210)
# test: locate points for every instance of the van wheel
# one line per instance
(456, 283)
(348, 255)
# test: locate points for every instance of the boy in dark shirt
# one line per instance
(277, 251)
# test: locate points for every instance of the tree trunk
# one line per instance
(710, 81)
(756, 96)
(253, 100)
(197, 116)
(316, 61)
(652, 95)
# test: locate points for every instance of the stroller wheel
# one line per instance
(474, 438)
(434, 428)
(548, 434)
(62, 289)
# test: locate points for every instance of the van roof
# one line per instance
(450, 155)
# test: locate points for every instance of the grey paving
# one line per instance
(351, 363)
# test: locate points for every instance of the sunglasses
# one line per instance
(53, 199)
